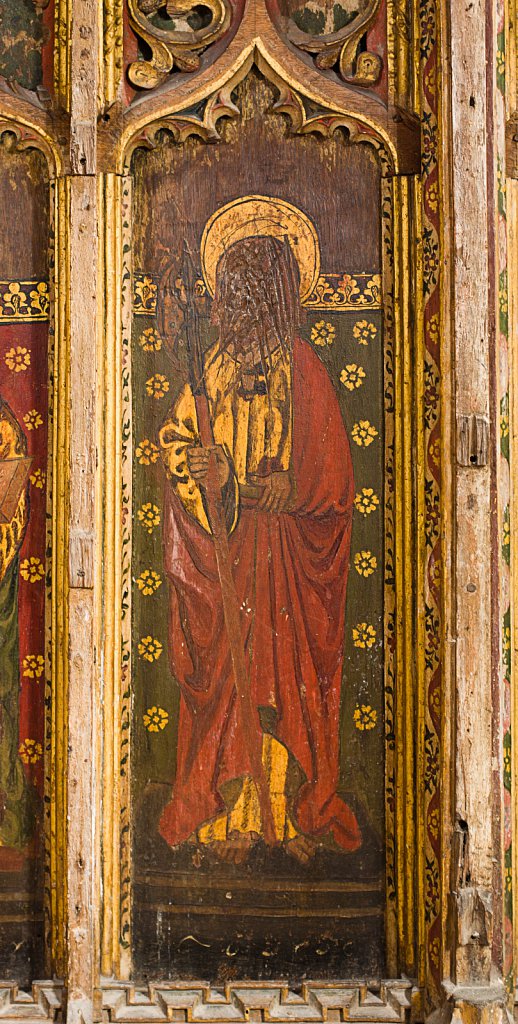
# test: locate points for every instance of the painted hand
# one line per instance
(277, 493)
(198, 463)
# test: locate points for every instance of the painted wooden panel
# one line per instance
(24, 312)
(284, 877)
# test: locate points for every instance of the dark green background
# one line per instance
(21, 38)
(362, 760)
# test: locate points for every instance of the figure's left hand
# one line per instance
(277, 493)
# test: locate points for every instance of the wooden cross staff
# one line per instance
(216, 516)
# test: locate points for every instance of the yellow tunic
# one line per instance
(12, 445)
(251, 417)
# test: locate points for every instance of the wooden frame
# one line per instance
(403, 203)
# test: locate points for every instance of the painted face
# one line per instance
(257, 305)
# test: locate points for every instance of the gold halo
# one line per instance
(261, 215)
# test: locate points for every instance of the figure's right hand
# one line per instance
(198, 462)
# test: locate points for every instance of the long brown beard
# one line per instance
(257, 303)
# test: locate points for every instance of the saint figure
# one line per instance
(287, 488)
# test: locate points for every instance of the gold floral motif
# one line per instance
(366, 501)
(365, 717)
(372, 295)
(37, 479)
(30, 751)
(147, 452)
(31, 570)
(433, 328)
(14, 305)
(155, 719)
(150, 340)
(323, 333)
(433, 822)
(340, 292)
(365, 563)
(364, 635)
(33, 666)
(364, 331)
(334, 290)
(504, 426)
(150, 648)
(14, 299)
(39, 297)
(363, 433)
(145, 294)
(434, 451)
(432, 196)
(157, 386)
(506, 534)
(32, 419)
(18, 359)
(149, 516)
(352, 376)
(148, 582)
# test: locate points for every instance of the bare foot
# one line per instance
(234, 850)
(302, 848)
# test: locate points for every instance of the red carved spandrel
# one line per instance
(132, 49)
(331, 34)
(377, 43)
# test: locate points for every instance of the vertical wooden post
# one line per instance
(81, 875)
(474, 988)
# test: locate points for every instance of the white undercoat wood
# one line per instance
(82, 867)
(471, 275)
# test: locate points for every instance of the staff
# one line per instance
(216, 517)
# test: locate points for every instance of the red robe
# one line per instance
(290, 572)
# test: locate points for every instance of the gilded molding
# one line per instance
(113, 631)
(113, 49)
(401, 538)
(62, 47)
(399, 37)
(57, 704)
